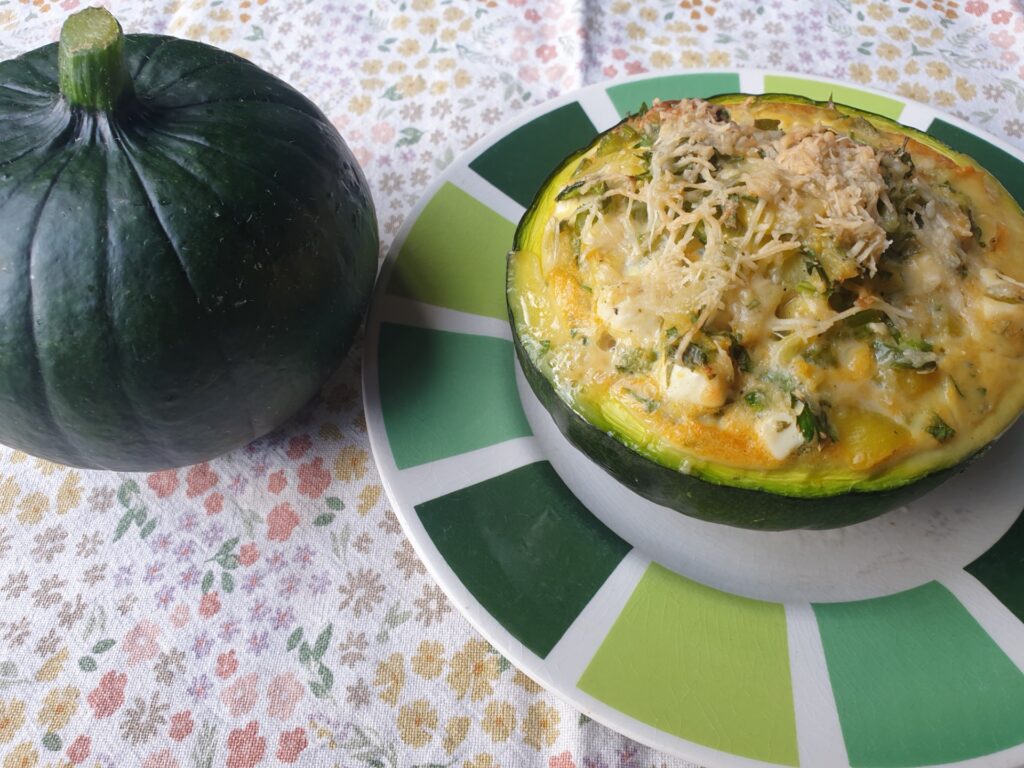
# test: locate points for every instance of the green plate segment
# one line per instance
(628, 97)
(1000, 163)
(427, 376)
(1001, 569)
(702, 664)
(526, 548)
(518, 163)
(917, 681)
(454, 255)
(819, 91)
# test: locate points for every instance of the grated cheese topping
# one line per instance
(755, 278)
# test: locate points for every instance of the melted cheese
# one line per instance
(747, 278)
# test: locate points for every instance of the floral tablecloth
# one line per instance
(265, 607)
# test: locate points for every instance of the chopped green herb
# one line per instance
(739, 355)
(939, 429)
(634, 359)
(807, 424)
(573, 190)
(780, 379)
(755, 400)
(672, 332)
(694, 356)
(649, 405)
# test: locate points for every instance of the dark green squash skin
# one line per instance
(700, 497)
(177, 277)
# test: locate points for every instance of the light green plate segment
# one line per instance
(926, 672)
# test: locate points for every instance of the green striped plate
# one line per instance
(896, 642)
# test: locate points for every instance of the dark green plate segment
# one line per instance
(518, 163)
(526, 549)
(1001, 569)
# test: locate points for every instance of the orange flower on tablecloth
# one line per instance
(499, 720)
(473, 669)
(12, 717)
(199, 480)
(314, 478)
(455, 731)
(240, 696)
(180, 615)
(428, 662)
(108, 696)
(78, 750)
(416, 723)
(140, 643)
(281, 522)
(160, 759)
(540, 728)
(290, 744)
(226, 664)
(283, 695)
(163, 483)
(483, 760)
(22, 756)
(181, 725)
(563, 760)
(58, 707)
(391, 675)
(209, 604)
(245, 746)
(248, 554)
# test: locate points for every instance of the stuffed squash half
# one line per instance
(771, 312)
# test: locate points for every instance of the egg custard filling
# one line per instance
(803, 299)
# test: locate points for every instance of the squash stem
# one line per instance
(90, 61)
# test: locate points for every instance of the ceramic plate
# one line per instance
(895, 642)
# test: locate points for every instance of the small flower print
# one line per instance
(283, 695)
(78, 750)
(12, 717)
(540, 728)
(455, 731)
(160, 759)
(226, 664)
(22, 756)
(281, 522)
(290, 744)
(140, 643)
(240, 696)
(473, 670)
(391, 675)
(58, 707)
(163, 483)
(108, 696)
(245, 746)
(563, 760)
(209, 604)
(483, 760)
(181, 725)
(314, 478)
(499, 720)
(248, 554)
(214, 503)
(429, 659)
(416, 723)
(199, 480)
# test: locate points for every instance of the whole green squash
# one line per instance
(187, 247)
